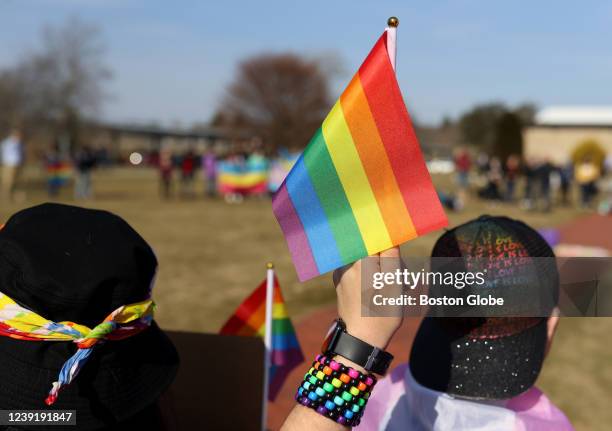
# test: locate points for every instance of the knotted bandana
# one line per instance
(20, 323)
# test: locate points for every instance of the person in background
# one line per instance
(543, 172)
(84, 162)
(566, 174)
(491, 191)
(463, 164)
(607, 165)
(209, 168)
(451, 202)
(165, 166)
(529, 171)
(482, 163)
(605, 204)
(188, 163)
(56, 171)
(511, 172)
(11, 156)
(587, 173)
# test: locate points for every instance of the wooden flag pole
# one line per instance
(267, 343)
(392, 24)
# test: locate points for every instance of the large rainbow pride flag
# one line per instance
(248, 177)
(361, 186)
(250, 320)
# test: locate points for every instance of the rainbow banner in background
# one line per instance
(280, 168)
(361, 186)
(250, 320)
(250, 177)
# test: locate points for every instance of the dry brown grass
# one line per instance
(212, 255)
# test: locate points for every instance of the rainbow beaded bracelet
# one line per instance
(335, 391)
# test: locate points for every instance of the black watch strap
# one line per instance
(369, 357)
(340, 342)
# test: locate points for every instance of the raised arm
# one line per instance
(376, 331)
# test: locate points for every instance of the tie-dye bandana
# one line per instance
(20, 323)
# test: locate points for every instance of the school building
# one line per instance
(558, 130)
(121, 140)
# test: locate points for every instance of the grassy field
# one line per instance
(212, 255)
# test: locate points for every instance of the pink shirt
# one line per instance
(400, 403)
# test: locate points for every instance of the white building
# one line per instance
(558, 130)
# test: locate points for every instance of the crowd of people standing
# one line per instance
(534, 183)
(169, 163)
(232, 174)
(544, 184)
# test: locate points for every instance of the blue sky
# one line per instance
(172, 59)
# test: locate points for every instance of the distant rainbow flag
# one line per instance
(250, 177)
(250, 320)
(58, 172)
(361, 186)
(279, 168)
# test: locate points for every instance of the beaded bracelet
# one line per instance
(335, 391)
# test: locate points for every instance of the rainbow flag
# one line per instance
(361, 186)
(58, 173)
(250, 320)
(279, 169)
(249, 177)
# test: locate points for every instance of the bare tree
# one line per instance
(11, 100)
(478, 124)
(61, 83)
(281, 98)
(496, 128)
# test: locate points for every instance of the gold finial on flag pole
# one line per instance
(269, 265)
(391, 33)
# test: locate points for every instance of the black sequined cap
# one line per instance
(487, 357)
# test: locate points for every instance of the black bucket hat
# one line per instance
(73, 264)
(487, 357)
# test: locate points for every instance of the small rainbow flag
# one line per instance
(250, 320)
(361, 186)
(58, 173)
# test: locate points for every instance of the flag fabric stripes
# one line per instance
(361, 186)
(250, 320)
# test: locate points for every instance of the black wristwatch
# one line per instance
(340, 342)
